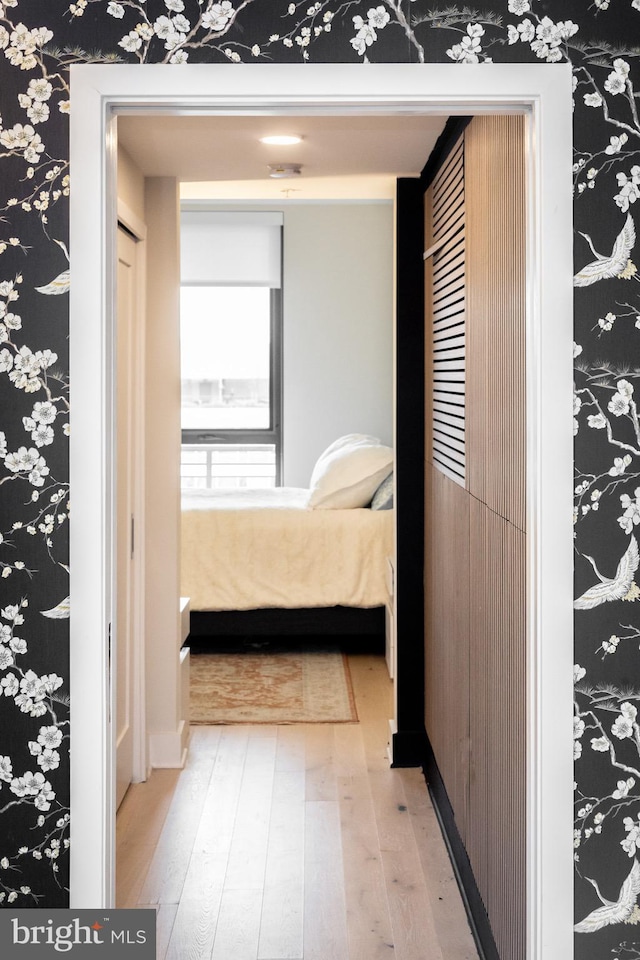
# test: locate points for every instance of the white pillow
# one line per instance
(348, 472)
(349, 441)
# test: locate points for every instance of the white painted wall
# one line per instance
(166, 731)
(155, 201)
(338, 337)
(130, 183)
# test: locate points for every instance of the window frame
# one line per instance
(273, 433)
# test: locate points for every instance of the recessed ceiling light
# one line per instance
(281, 140)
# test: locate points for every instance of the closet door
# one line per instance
(497, 543)
(475, 531)
(128, 590)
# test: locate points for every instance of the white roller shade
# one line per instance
(232, 249)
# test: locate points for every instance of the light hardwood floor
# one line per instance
(293, 842)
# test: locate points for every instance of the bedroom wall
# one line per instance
(155, 201)
(338, 311)
(337, 325)
(130, 183)
(166, 734)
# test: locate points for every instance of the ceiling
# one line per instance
(340, 155)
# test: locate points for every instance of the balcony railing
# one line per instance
(227, 465)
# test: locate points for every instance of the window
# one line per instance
(230, 342)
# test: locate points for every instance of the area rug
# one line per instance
(286, 686)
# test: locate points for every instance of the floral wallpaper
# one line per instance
(39, 40)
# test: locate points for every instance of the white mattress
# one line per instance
(251, 549)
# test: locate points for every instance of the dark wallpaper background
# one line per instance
(39, 40)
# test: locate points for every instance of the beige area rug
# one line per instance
(299, 686)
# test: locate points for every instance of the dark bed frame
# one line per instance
(280, 622)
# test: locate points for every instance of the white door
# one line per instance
(126, 587)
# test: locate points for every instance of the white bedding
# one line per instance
(251, 549)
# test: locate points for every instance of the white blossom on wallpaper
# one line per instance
(607, 473)
(39, 40)
(31, 768)
(29, 786)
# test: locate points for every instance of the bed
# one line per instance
(291, 560)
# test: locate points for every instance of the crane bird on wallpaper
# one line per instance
(59, 284)
(613, 911)
(611, 588)
(617, 265)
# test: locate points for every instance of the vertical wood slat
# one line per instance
(475, 544)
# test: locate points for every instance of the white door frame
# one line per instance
(543, 93)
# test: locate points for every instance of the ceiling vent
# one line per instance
(280, 171)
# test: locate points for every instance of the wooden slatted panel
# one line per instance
(428, 342)
(496, 479)
(446, 221)
(475, 539)
(495, 223)
(495, 840)
(447, 649)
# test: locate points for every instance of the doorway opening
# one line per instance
(98, 93)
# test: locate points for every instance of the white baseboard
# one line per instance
(169, 749)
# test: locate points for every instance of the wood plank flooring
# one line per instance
(293, 842)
